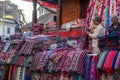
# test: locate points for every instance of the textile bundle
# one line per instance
(109, 61)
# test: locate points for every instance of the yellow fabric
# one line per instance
(8, 16)
(9, 77)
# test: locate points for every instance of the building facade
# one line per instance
(7, 27)
(10, 19)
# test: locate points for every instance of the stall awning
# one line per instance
(46, 3)
(52, 1)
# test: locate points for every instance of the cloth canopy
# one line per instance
(51, 1)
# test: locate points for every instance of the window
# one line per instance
(8, 30)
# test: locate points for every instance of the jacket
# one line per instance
(98, 31)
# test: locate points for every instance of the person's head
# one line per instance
(97, 20)
(114, 19)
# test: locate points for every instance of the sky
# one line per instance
(27, 8)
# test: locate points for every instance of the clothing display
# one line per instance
(56, 76)
(91, 72)
(36, 60)
(51, 57)
(15, 36)
(109, 61)
(11, 51)
(105, 9)
(66, 60)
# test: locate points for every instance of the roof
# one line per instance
(42, 19)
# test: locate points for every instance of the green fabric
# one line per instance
(102, 59)
(77, 77)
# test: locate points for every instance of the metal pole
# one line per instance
(3, 19)
(59, 14)
(34, 15)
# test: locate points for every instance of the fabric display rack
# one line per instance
(7, 56)
(107, 62)
(23, 61)
(51, 57)
(109, 59)
(52, 64)
(38, 59)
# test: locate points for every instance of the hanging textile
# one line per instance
(103, 8)
(87, 67)
(94, 73)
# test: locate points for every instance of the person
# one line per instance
(28, 33)
(115, 27)
(96, 31)
(114, 30)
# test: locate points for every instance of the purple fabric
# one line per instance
(94, 75)
(53, 55)
(82, 61)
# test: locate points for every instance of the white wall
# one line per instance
(0, 29)
(4, 27)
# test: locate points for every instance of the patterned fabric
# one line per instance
(2, 44)
(87, 67)
(82, 61)
(117, 64)
(41, 62)
(94, 73)
(109, 61)
(102, 60)
(115, 76)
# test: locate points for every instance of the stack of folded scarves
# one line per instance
(11, 52)
(109, 61)
(15, 36)
(63, 60)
